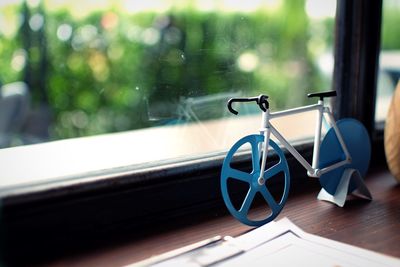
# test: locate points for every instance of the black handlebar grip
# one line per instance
(230, 101)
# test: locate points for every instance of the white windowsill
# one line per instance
(52, 161)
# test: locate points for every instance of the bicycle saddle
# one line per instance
(321, 95)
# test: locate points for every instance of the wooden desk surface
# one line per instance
(373, 225)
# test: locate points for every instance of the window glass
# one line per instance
(389, 65)
(159, 69)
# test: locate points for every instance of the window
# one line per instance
(389, 66)
(159, 73)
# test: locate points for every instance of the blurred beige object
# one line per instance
(392, 134)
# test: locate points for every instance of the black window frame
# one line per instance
(46, 221)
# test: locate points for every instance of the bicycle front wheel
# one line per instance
(250, 178)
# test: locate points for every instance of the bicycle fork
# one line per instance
(266, 131)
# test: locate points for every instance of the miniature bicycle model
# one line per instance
(346, 145)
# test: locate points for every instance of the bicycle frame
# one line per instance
(312, 170)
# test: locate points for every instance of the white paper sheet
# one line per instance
(278, 244)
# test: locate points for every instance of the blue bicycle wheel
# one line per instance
(251, 179)
(358, 144)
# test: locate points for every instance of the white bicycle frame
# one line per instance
(312, 170)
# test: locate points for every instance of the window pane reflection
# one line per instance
(75, 68)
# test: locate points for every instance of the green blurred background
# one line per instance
(96, 67)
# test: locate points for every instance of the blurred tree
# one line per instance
(113, 71)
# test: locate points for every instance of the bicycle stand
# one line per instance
(350, 177)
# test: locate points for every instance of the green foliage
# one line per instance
(117, 71)
(390, 25)
(9, 46)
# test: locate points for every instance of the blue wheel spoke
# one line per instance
(270, 199)
(272, 171)
(244, 209)
(255, 155)
(239, 175)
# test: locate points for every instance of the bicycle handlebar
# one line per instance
(261, 100)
